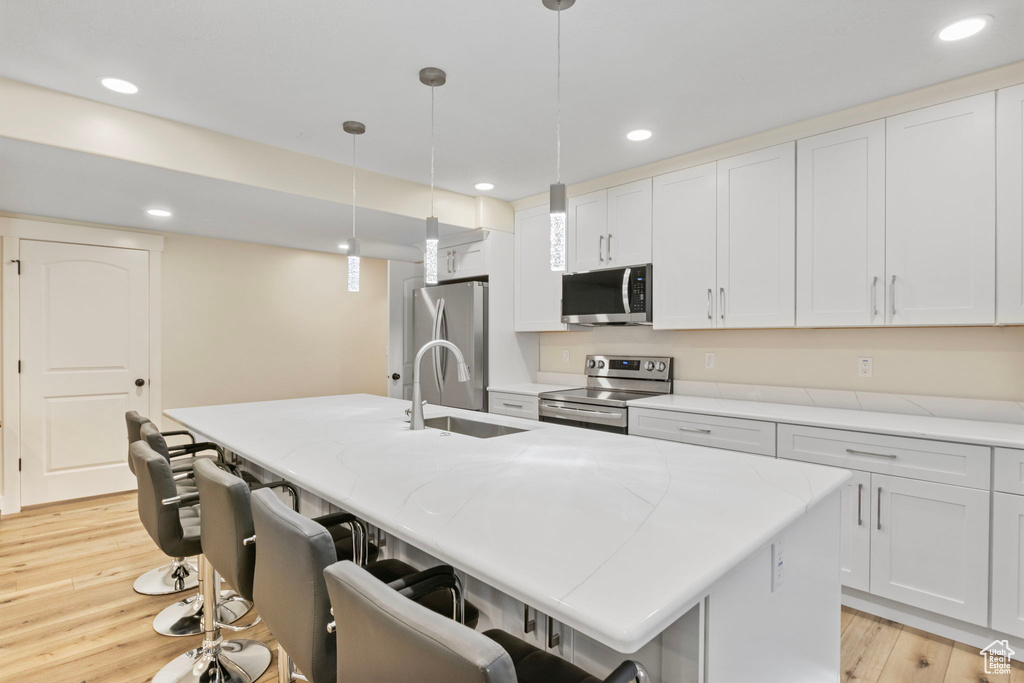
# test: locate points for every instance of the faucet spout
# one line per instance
(416, 417)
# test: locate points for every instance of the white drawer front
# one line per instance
(938, 461)
(749, 436)
(513, 405)
(1009, 474)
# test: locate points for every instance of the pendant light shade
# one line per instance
(557, 210)
(557, 203)
(433, 78)
(353, 128)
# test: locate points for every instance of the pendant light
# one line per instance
(434, 78)
(557, 203)
(353, 128)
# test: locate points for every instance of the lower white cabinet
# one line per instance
(855, 532)
(929, 546)
(513, 405)
(1008, 564)
(749, 436)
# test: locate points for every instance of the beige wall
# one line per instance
(981, 362)
(247, 322)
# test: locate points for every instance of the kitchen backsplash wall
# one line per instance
(964, 362)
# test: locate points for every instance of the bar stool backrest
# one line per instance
(156, 483)
(383, 636)
(227, 519)
(151, 434)
(134, 422)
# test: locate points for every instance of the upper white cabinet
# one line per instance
(1010, 203)
(940, 214)
(462, 256)
(538, 290)
(587, 232)
(684, 239)
(840, 227)
(756, 236)
(610, 228)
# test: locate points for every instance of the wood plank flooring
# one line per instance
(68, 613)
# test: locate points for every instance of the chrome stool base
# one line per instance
(227, 661)
(180, 575)
(185, 618)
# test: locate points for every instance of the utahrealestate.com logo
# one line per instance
(997, 658)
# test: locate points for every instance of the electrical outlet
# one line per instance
(565, 355)
(778, 566)
(863, 367)
(709, 361)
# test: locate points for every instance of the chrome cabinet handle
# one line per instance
(455, 261)
(553, 638)
(721, 303)
(609, 252)
(854, 451)
(695, 430)
(892, 296)
(600, 248)
(874, 296)
(512, 405)
(529, 625)
(860, 496)
(879, 508)
(710, 295)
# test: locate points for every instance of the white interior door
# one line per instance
(403, 278)
(84, 343)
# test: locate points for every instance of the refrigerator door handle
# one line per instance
(434, 353)
(444, 335)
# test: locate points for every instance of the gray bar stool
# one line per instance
(180, 574)
(175, 528)
(292, 552)
(382, 636)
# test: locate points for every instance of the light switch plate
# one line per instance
(778, 566)
(565, 355)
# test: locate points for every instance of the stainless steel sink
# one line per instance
(474, 428)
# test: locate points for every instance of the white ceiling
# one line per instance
(58, 183)
(696, 72)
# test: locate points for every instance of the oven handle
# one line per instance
(625, 290)
(602, 413)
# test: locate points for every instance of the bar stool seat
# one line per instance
(534, 665)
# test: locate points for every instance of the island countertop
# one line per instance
(616, 536)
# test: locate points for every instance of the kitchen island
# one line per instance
(710, 565)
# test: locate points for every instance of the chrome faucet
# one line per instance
(416, 414)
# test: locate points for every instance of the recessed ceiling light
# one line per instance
(638, 135)
(965, 28)
(119, 85)
(159, 213)
(484, 186)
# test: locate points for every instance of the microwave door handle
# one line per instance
(625, 290)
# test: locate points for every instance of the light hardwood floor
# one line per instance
(68, 612)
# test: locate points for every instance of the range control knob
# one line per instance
(661, 366)
(649, 365)
(591, 363)
(600, 364)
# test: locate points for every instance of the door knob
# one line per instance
(140, 382)
(396, 376)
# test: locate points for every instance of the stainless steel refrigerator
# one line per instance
(458, 313)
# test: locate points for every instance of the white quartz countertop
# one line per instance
(529, 389)
(1004, 434)
(616, 536)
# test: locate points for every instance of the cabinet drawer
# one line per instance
(938, 461)
(1009, 474)
(749, 436)
(513, 405)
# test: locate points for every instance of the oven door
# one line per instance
(615, 419)
(617, 296)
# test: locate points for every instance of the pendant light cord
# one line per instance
(558, 99)
(353, 186)
(432, 150)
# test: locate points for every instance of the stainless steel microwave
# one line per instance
(616, 296)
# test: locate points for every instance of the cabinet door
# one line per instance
(538, 290)
(685, 207)
(468, 260)
(855, 532)
(940, 214)
(756, 238)
(929, 546)
(1010, 203)
(1008, 564)
(587, 232)
(629, 224)
(840, 227)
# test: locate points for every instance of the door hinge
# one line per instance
(18, 261)
(19, 367)
(19, 464)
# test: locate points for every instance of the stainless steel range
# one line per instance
(612, 381)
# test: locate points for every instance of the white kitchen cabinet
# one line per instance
(756, 238)
(538, 289)
(587, 232)
(1010, 204)
(749, 436)
(855, 532)
(685, 227)
(629, 224)
(1008, 564)
(513, 405)
(929, 546)
(1008, 470)
(840, 227)
(462, 256)
(940, 214)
